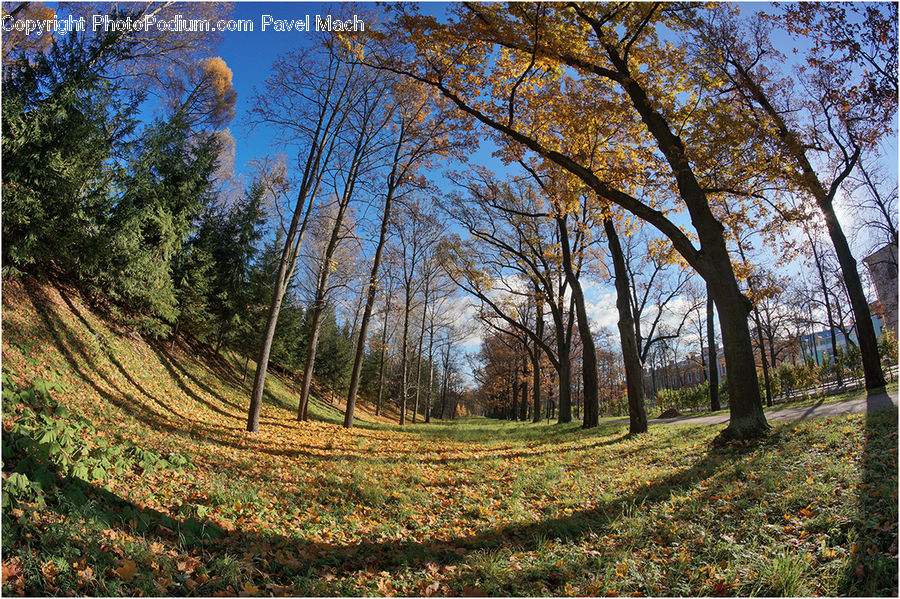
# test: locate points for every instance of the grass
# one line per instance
(471, 507)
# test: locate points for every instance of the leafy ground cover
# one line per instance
(126, 471)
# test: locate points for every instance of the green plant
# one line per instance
(46, 443)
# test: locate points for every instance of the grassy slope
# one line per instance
(475, 507)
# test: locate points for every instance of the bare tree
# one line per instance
(309, 96)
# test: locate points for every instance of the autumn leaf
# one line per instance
(126, 570)
(188, 565)
(249, 590)
(49, 570)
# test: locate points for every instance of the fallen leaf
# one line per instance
(249, 590)
(126, 570)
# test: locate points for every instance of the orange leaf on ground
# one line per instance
(126, 570)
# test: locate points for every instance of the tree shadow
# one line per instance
(174, 373)
(109, 355)
(394, 556)
(78, 355)
(872, 568)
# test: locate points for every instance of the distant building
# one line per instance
(818, 345)
(685, 373)
(883, 268)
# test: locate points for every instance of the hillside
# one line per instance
(128, 471)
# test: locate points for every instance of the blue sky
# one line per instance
(250, 55)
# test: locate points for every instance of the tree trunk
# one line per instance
(589, 351)
(367, 312)
(868, 345)
(565, 388)
(419, 354)
(536, 356)
(311, 348)
(387, 307)
(444, 395)
(404, 367)
(865, 330)
(262, 362)
(637, 413)
(514, 396)
(428, 395)
(828, 311)
(713, 360)
(762, 356)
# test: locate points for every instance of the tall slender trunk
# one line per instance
(523, 413)
(430, 383)
(262, 362)
(444, 378)
(536, 355)
(762, 356)
(387, 307)
(563, 349)
(419, 353)
(324, 271)
(637, 413)
(311, 349)
(367, 312)
(513, 395)
(713, 360)
(319, 153)
(565, 388)
(404, 355)
(828, 313)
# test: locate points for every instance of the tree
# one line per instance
(850, 108)
(713, 361)
(63, 130)
(620, 36)
(164, 190)
(366, 123)
(419, 133)
(417, 235)
(634, 372)
(511, 254)
(229, 235)
(319, 100)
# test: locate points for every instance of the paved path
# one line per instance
(856, 405)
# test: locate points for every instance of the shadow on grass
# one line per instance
(306, 561)
(872, 569)
(82, 359)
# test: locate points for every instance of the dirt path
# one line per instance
(856, 405)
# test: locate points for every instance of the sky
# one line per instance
(250, 55)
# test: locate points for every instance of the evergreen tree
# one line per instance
(229, 235)
(63, 129)
(166, 186)
(333, 358)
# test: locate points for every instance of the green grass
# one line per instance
(473, 506)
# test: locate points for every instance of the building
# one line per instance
(882, 267)
(684, 373)
(818, 345)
